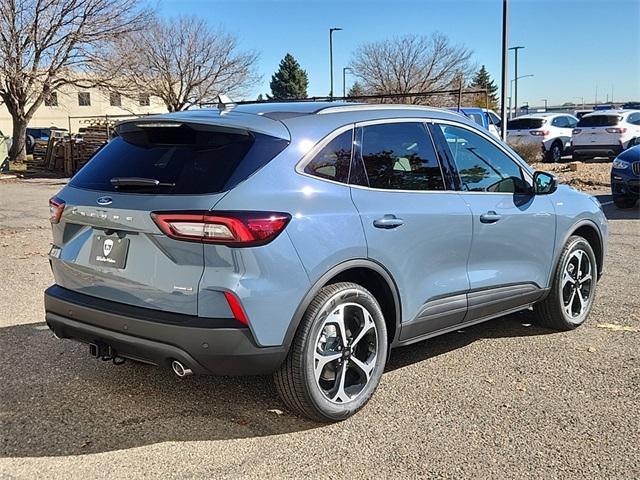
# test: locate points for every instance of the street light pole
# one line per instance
(545, 104)
(505, 69)
(515, 93)
(331, 30)
(344, 81)
(516, 80)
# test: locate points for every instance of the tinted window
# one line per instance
(333, 161)
(572, 122)
(560, 122)
(481, 165)
(525, 123)
(476, 117)
(400, 156)
(187, 160)
(634, 119)
(599, 121)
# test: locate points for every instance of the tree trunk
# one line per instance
(18, 152)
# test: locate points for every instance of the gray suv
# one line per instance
(306, 240)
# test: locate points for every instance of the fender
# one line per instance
(341, 267)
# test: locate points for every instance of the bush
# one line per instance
(530, 153)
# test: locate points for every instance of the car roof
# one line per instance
(607, 112)
(542, 115)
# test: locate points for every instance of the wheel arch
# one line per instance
(591, 233)
(372, 276)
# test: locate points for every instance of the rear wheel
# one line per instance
(554, 154)
(574, 286)
(337, 356)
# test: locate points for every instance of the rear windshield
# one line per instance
(525, 123)
(183, 159)
(599, 121)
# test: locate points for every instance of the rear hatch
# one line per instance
(106, 243)
(601, 129)
(525, 130)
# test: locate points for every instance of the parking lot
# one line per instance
(504, 399)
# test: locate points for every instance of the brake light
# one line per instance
(56, 207)
(236, 308)
(576, 131)
(617, 129)
(235, 229)
(539, 133)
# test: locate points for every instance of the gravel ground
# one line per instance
(591, 175)
(498, 400)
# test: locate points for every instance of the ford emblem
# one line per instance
(104, 201)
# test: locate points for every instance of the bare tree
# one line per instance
(46, 44)
(184, 62)
(411, 64)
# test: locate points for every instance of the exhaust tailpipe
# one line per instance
(180, 370)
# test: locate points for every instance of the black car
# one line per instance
(625, 178)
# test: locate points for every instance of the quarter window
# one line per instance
(400, 156)
(481, 165)
(334, 160)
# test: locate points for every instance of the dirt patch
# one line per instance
(592, 175)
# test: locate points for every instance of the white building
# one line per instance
(72, 107)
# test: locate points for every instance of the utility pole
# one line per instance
(331, 30)
(505, 68)
(545, 104)
(515, 93)
(344, 80)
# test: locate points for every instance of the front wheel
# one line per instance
(337, 356)
(574, 287)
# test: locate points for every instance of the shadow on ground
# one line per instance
(56, 400)
(615, 213)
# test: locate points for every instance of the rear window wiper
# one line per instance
(139, 182)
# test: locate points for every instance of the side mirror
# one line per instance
(544, 183)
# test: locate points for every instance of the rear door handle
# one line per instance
(490, 217)
(388, 221)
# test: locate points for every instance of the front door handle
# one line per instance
(490, 217)
(388, 221)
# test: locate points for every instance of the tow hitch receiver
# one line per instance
(101, 350)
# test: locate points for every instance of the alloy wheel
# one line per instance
(345, 353)
(577, 284)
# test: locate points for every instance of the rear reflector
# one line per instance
(56, 207)
(236, 308)
(235, 229)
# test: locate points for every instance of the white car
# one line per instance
(606, 133)
(552, 131)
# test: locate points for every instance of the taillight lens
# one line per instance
(56, 207)
(617, 130)
(576, 131)
(539, 133)
(235, 229)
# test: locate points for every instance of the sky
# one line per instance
(572, 47)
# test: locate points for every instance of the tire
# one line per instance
(29, 144)
(554, 154)
(319, 397)
(555, 312)
(625, 202)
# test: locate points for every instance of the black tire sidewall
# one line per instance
(349, 294)
(575, 243)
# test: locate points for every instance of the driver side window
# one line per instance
(481, 165)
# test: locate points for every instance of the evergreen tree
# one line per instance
(482, 80)
(356, 90)
(290, 81)
(260, 98)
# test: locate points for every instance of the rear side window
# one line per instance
(334, 160)
(400, 156)
(599, 121)
(184, 159)
(525, 123)
(476, 117)
(560, 122)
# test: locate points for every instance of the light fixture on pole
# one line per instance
(515, 93)
(515, 106)
(331, 30)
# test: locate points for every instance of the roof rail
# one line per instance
(379, 106)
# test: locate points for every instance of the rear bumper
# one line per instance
(205, 350)
(597, 150)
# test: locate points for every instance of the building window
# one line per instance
(115, 100)
(143, 99)
(84, 99)
(51, 99)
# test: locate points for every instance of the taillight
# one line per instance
(235, 229)
(539, 133)
(56, 207)
(576, 131)
(617, 130)
(236, 308)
